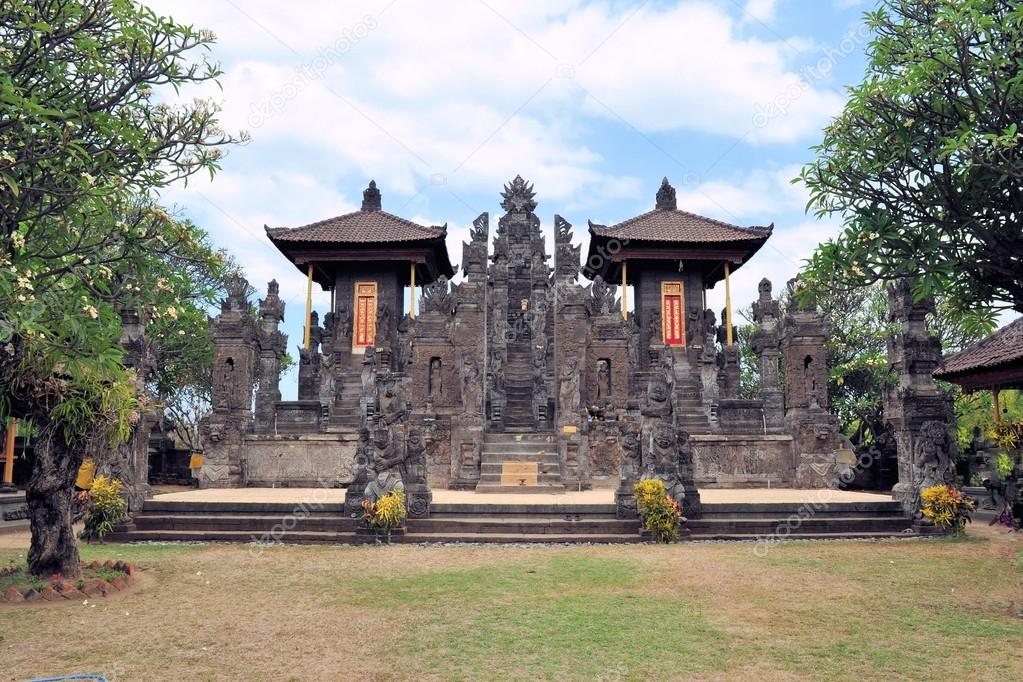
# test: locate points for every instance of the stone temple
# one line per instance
(519, 377)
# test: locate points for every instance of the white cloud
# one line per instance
(758, 197)
(760, 10)
(449, 99)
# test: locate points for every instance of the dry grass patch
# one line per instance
(848, 610)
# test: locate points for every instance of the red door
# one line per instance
(673, 314)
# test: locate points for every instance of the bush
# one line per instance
(387, 513)
(107, 507)
(947, 507)
(661, 514)
(1004, 466)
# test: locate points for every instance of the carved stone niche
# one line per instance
(435, 380)
(607, 374)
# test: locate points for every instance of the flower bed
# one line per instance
(98, 580)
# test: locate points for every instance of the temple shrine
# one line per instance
(532, 372)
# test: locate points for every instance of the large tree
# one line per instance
(924, 164)
(85, 143)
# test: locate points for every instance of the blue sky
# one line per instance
(442, 102)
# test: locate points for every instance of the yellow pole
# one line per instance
(728, 307)
(412, 293)
(12, 432)
(625, 290)
(308, 306)
(998, 408)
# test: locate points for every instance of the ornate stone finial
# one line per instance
(518, 196)
(237, 293)
(666, 197)
(272, 307)
(562, 230)
(480, 228)
(371, 197)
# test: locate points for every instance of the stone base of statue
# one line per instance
(417, 502)
(625, 503)
(366, 534)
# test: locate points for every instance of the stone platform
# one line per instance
(306, 516)
(13, 512)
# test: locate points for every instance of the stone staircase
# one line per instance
(501, 449)
(691, 413)
(545, 522)
(237, 522)
(767, 522)
(345, 411)
(534, 523)
(518, 386)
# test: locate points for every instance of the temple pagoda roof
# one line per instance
(369, 234)
(992, 363)
(667, 233)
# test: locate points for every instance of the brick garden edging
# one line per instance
(68, 589)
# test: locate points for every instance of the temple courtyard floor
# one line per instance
(597, 496)
(895, 609)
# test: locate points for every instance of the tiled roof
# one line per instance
(1004, 346)
(360, 227)
(672, 225)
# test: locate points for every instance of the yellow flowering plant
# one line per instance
(947, 507)
(387, 513)
(107, 507)
(661, 514)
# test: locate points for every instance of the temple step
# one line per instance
(506, 458)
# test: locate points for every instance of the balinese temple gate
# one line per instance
(519, 378)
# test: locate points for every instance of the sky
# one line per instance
(443, 102)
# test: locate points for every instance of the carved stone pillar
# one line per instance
(807, 420)
(235, 358)
(919, 413)
(728, 362)
(272, 344)
(767, 346)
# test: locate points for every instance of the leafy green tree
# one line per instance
(924, 163)
(85, 145)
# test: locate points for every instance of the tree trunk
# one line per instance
(50, 496)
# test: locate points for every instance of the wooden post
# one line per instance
(625, 290)
(412, 293)
(728, 307)
(998, 408)
(308, 306)
(12, 432)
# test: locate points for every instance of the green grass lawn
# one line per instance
(836, 610)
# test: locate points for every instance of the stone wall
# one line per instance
(722, 461)
(310, 460)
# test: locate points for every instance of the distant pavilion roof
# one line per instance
(993, 363)
(370, 234)
(667, 233)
